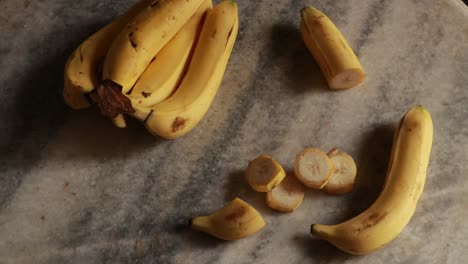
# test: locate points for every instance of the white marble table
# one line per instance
(75, 189)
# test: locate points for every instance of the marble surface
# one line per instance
(74, 189)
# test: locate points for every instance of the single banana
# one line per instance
(165, 72)
(81, 70)
(330, 49)
(180, 113)
(392, 211)
(143, 37)
(236, 220)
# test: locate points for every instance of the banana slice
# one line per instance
(264, 173)
(287, 196)
(342, 179)
(236, 220)
(313, 168)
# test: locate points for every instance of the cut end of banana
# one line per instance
(344, 173)
(287, 196)
(264, 173)
(330, 49)
(236, 220)
(347, 79)
(313, 168)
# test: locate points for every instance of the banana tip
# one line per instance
(234, 2)
(312, 229)
(303, 10)
(421, 107)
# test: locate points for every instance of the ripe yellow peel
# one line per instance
(236, 220)
(330, 49)
(344, 174)
(180, 113)
(313, 168)
(384, 220)
(287, 196)
(81, 70)
(165, 72)
(264, 173)
(143, 37)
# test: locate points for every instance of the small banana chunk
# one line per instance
(313, 168)
(236, 220)
(287, 196)
(344, 174)
(264, 173)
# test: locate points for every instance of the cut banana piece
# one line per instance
(344, 174)
(313, 168)
(287, 196)
(236, 220)
(330, 49)
(264, 173)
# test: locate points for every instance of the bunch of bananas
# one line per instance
(162, 63)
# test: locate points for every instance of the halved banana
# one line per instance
(287, 196)
(344, 174)
(236, 220)
(264, 173)
(330, 49)
(313, 168)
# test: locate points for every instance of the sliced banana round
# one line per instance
(313, 168)
(264, 173)
(344, 174)
(287, 196)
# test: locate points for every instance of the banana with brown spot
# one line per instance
(180, 113)
(236, 220)
(164, 74)
(143, 37)
(395, 206)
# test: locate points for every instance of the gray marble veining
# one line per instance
(74, 189)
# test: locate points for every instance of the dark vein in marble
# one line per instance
(373, 20)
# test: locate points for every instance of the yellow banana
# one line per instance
(143, 37)
(330, 49)
(180, 113)
(236, 220)
(392, 211)
(81, 69)
(165, 72)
